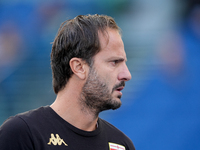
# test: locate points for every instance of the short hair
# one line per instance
(79, 38)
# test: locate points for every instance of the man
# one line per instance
(89, 71)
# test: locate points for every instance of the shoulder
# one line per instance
(115, 135)
(20, 121)
(109, 127)
(35, 113)
(17, 129)
(32, 116)
(13, 123)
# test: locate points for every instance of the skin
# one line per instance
(96, 95)
(109, 68)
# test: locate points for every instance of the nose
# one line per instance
(124, 74)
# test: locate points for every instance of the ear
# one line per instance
(78, 67)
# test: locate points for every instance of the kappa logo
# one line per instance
(114, 146)
(56, 140)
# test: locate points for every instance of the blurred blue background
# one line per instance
(161, 104)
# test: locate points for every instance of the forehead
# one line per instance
(111, 45)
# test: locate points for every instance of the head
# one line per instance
(78, 37)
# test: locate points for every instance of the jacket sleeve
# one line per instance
(15, 135)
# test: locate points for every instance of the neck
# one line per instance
(68, 106)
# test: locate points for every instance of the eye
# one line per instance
(115, 62)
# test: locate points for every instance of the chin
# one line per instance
(116, 106)
(119, 96)
(116, 103)
(113, 104)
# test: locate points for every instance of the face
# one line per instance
(108, 74)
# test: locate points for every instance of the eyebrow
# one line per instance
(117, 58)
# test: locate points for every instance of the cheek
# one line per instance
(110, 81)
(109, 77)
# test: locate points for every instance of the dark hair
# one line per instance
(77, 37)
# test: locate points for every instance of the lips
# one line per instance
(120, 88)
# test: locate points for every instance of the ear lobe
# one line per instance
(78, 67)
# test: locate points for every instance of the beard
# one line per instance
(96, 95)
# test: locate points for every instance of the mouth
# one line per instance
(119, 89)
